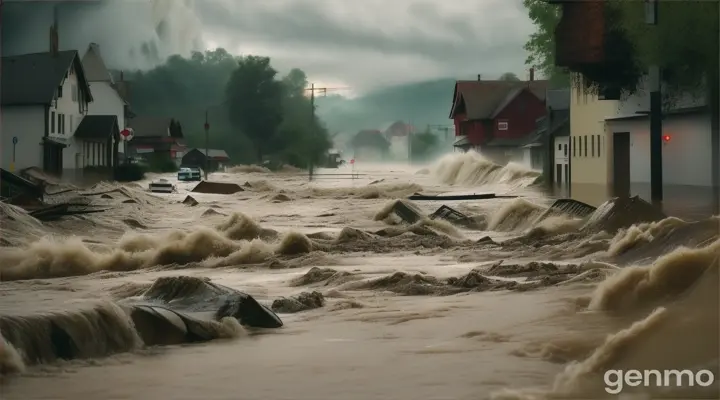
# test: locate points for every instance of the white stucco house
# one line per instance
(107, 100)
(610, 147)
(44, 97)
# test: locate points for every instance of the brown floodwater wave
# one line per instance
(173, 310)
(671, 309)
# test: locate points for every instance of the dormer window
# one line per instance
(60, 92)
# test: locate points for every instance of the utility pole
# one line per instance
(207, 145)
(312, 125)
(312, 90)
(655, 78)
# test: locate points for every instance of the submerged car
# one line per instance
(189, 174)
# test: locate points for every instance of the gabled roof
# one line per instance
(33, 79)
(370, 138)
(482, 98)
(97, 127)
(95, 68)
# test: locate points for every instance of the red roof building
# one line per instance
(496, 111)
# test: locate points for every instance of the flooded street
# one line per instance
(371, 307)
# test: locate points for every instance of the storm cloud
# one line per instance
(361, 44)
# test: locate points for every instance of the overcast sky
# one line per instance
(361, 44)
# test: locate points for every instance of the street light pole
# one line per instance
(207, 145)
(656, 164)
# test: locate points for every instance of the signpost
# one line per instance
(12, 164)
(126, 135)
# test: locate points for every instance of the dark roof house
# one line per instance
(370, 138)
(214, 154)
(33, 79)
(485, 99)
(148, 126)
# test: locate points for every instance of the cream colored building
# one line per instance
(590, 146)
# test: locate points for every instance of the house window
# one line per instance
(598, 145)
(565, 150)
(60, 92)
(592, 145)
(52, 122)
(559, 146)
(502, 125)
(585, 144)
(573, 147)
(74, 93)
(60, 124)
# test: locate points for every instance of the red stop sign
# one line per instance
(125, 133)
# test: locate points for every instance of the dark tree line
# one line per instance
(252, 113)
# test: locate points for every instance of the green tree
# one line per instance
(684, 43)
(509, 76)
(184, 89)
(302, 140)
(541, 44)
(254, 99)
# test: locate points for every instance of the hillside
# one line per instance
(423, 103)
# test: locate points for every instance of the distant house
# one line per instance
(197, 158)
(108, 99)
(369, 145)
(44, 98)
(495, 117)
(398, 134)
(157, 139)
(548, 148)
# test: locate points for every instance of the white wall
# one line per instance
(561, 148)
(28, 124)
(107, 101)
(66, 114)
(686, 157)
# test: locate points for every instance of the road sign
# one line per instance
(352, 161)
(127, 134)
(15, 139)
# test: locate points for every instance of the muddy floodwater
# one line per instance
(290, 289)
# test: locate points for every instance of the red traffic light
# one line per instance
(666, 138)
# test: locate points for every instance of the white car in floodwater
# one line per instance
(189, 174)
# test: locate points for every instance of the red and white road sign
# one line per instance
(352, 161)
(127, 134)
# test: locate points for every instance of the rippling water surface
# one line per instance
(389, 311)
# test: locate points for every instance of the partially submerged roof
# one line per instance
(463, 141)
(481, 99)
(33, 79)
(214, 153)
(97, 127)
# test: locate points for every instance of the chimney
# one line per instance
(479, 77)
(532, 74)
(54, 39)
